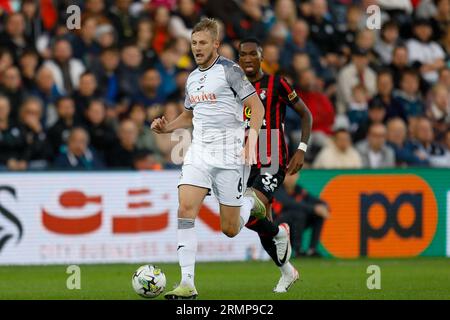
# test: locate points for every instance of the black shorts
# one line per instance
(265, 183)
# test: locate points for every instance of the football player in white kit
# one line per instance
(217, 160)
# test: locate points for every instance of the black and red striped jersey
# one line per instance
(275, 94)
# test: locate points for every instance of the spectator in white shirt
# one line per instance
(340, 154)
(387, 41)
(425, 53)
(356, 72)
(66, 69)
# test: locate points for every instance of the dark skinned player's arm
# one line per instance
(297, 160)
(306, 119)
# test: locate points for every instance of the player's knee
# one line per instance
(230, 231)
(185, 211)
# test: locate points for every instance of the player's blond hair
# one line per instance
(208, 24)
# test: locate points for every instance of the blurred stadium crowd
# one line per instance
(83, 99)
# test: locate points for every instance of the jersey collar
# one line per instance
(262, 76)
(203, 70)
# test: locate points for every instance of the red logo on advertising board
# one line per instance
(134, 221)
(73, 199)
(139, 223)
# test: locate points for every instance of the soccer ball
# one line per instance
(148, 281)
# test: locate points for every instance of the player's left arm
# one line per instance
(289, 94)
(297, 160)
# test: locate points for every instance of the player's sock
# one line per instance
(286, 269)
(247, 205)
(289, 275)
(263, 227)
(187, 249)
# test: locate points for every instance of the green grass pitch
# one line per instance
(420, 278)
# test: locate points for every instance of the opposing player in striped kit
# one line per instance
(272, 162)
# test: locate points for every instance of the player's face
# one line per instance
(250, 58)
(203, 46)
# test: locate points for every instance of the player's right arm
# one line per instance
(183, 121)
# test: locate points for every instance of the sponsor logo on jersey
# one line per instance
(248, 112)
(204, 97)
(262, 95)
(202, 79)
(292, 95)
(247, 124)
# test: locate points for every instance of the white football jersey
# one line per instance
(216, 95)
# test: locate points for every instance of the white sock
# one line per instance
(247, 205)
(286, 269)
(187, 249)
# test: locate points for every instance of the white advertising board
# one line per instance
(111, 217)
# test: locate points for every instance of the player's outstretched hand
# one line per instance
(159, 125)
(296, 162)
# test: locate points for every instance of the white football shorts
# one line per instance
(227, 184)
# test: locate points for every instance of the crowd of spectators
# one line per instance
(84, 98)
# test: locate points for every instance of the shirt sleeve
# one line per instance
(187, 101)
(438, 51)
(414, 52)
(287, 93)
(238, 82)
